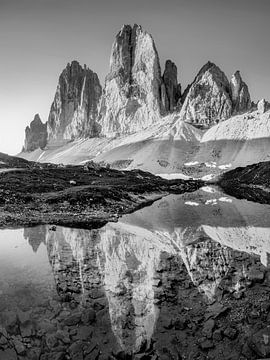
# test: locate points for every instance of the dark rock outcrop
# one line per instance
(239, 93)
(75, 106)
(35, 135)
(207, 100)
(171, 90)
(132, 94)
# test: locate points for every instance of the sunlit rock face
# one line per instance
(170, 90)
(240, 94)
(35, 135)
(207, 101)
(130, 257)
(75, 107)
(132, 94)
(263, 106)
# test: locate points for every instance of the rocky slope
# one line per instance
(35, 135)
(75, 107)
(131, 99)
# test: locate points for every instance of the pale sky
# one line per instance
(39, 37)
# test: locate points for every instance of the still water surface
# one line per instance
(119, 289)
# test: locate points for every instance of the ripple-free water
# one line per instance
(118, 288)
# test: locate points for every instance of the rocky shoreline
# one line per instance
(80, 196)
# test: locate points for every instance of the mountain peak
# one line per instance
(131, 99)
(239, 93)
(35, 135)
(75, 106)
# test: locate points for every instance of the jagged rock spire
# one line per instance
(75, 106)
(239, 93)
(207, 100)
(132, 95)
(35, 135)
(171, 90)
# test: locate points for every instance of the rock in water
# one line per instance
(132, 94)
(75, 106)
(35, 135)
(207, 100)
(239, 93)
(171, 90)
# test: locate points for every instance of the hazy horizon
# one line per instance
(39, 37)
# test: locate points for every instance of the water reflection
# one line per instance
(137, 274)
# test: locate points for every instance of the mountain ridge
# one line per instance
(141, 104)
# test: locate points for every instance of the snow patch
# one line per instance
(208, 189)
(212, 164)
(211, 202)
(208, 177)
(224, 167)
(173, 176)
(192, 163)
(225, 199)
(192, 203)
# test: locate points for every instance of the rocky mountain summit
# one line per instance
(144, 119)
(132, 94)
(211, 98)
(240, 94)
(170, 90)
(75, 107)
(35, 135)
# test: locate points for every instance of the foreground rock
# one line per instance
(84, 196)
(251, 182)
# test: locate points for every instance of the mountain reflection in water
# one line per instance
(137, 276)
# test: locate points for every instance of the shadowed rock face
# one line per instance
(132, 94)
(240, 94)
(74, 109)
(207, 101)
(35, 135)
(171, 90)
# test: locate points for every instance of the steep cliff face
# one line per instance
(35, 135)
(207, 101)
(75, 106)
(263, 106)
(240, 94)
(132, 94)
(170, 90)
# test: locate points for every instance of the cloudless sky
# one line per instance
(39, 37)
